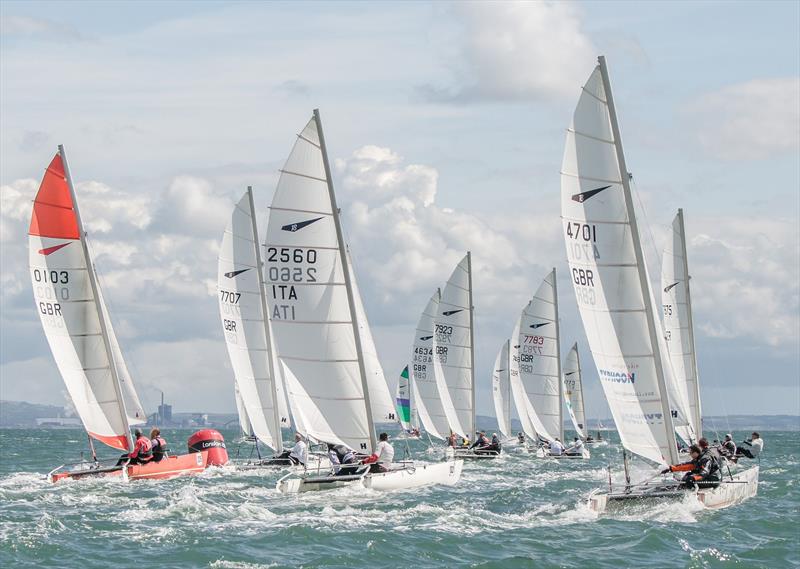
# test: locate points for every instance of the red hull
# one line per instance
(168, 467)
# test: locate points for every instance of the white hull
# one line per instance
(542, 452)
(410, 476)
(730, 492)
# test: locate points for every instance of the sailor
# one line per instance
(298, 453)
(381, 459)
(556, 447)
(452, 441)
(703, 470)
(158, 444)
(728, 448)
(751, 448)
(481, 441)
(521, 438)
(589, 438)
(576, 448)
(341, 456)
(495, 446)
(142, 452)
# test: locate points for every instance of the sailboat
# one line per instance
(404, 404)
(617, 307)
(536, 359)
(78, 327)
(501, 389)
(676, 306)
(574, 400)
(454, 357)
(320, 333)
(248, 335)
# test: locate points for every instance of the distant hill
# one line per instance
(24, 414)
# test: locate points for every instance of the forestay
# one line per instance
(68, 302)
(453, 349)
(609, 276)
(424, 384)
(311, 307)
(678, 327)
(245, 326)
(537, 348)
(573, 392)
(501, 390)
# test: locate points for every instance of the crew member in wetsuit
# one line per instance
(158, 444)
(142, 452)
(341, 458)
(496, 445)
(702, 471)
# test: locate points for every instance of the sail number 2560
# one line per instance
(292, 274)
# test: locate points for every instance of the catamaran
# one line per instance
(323, 346)
(248, 336)
(78, 327)
(536, 380)
(617, 306)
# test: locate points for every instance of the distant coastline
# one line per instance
(21, 414)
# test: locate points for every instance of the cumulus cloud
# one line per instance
(516, 51)
(750, 120)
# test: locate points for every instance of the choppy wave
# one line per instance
(517, 511)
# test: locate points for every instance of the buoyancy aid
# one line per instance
(143, 449)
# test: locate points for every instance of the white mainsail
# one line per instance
(133, 407)
(676, 306)
(573, 391)
(244, 420)
(246, 328)
(380, 398)
(70, 307)
(536, 345)
(501, 389)
(313, 313)
(424, 385)
(609, 275)
(453, 349)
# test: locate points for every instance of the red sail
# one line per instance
(53, 214)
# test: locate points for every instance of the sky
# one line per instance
(445, 124)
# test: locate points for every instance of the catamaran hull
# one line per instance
(432, 474)
(416, 476)
(543, 453)
(472, 455)
(742, 486)
(168, 467)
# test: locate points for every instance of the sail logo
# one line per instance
(451, 312)
(292, 227)
(642, 418)
(670, 287)
(232, 274)
(583, 196)
(539, 325)
(425, 338)
(618, 376)
(49, 250)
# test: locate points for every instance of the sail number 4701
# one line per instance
(583, 231)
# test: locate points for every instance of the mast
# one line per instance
(637, 247)
(698, 419)
(509, 395)
(267, 331)
(473, 426)
(95, 293)
(347, 279)
(558, 362)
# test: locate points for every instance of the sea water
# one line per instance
(515, 511)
